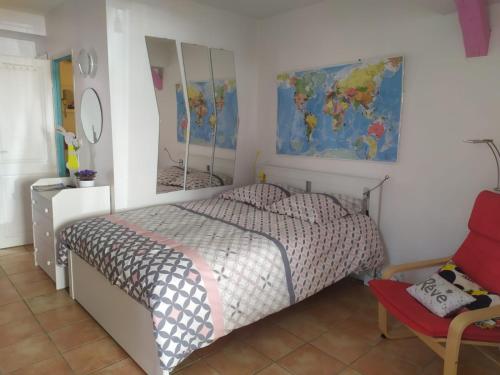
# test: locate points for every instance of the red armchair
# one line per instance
(479, 257)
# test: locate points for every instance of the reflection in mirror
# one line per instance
(91, 115)
(226, 104)
(201, 114)
(166, 81)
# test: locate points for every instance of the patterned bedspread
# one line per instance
(205, 268)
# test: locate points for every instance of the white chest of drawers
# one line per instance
(51, 210)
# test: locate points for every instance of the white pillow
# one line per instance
(439, 296)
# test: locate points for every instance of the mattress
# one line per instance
(204, 268)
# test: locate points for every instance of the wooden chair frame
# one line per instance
(448, 348)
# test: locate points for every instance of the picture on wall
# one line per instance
(350, 111)
(203, 116)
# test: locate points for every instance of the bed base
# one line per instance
(126, 320)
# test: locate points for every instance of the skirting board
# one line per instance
(126, 320)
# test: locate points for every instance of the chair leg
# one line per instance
(382, 320)
(383, 324)
(452, 352)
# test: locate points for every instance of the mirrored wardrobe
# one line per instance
(198, 114)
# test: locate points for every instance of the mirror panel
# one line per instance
(226, 104)
(202, 116)
(166, 81)
(91, 115)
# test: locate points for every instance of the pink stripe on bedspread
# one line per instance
(206, 272)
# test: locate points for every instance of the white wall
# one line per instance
(447, 98)
(133, 108)
(70, 27)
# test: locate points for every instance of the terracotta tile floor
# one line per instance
(334, 332)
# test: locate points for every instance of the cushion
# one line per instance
(393, 295)
(352, 204)
(258, 195)
(479, 255)
(314, 208)
(439, 296)
(482, 297)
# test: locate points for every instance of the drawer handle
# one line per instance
(46, 210)
(34, 223)
(48, 263)
(36, 249)
(33, 201)
(47, 234)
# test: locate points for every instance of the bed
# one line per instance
(187, 274)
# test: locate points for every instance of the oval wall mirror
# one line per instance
(86, 64)
(91, 115)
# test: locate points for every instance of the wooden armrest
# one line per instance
(465, 319)
(392, 270)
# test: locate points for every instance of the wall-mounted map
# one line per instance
(348, 111)
(203, 115)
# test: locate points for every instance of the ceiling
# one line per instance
(31, 6)
(269, 8)
(250, 8)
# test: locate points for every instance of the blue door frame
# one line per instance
(58, 113)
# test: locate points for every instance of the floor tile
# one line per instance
(380, 362)
(18, 263)
(274, 369)
(94, 356)
(237, 358)
(273, 341)
(21, 329)
(13, 311)
(329, 312)
(350, 371)
(52, 366)
(37, 288)
(8, 293)
(411, 350)
(29, 248)
(338, 343)
(62, 316)
(199, 368)
(27, 352)
(77, 334)
(49, 302)
(126, 366)
(215, 347)
(360, 326)
(302, 325)
(20, 279)
(309, 360)
(12, 250)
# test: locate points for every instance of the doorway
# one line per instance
(26, 142)
(64, 107)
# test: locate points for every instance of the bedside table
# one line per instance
(53, 209)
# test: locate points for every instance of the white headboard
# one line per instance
(323, 182)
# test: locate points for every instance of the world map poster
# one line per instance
(350, 111)
(207, 116)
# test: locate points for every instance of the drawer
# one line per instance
(44, 254)
(40, 218)
(41, 204)
(42, 229)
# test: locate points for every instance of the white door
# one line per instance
(27, 142)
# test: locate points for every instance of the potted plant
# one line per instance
(86, 177)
